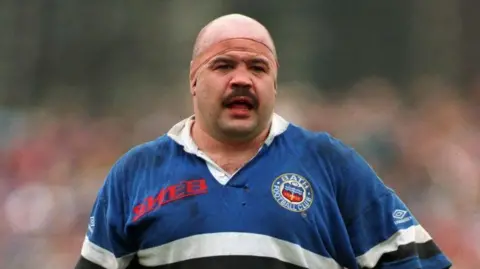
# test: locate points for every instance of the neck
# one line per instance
(209, 144)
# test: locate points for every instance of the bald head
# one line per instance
(232, 26)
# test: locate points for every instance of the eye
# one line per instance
(223, 67)
(259, 68)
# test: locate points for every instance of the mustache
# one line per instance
(241, 92)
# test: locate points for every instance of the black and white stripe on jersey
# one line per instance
(423, 250)
(410, 242)
(234, 248)
(228, 249)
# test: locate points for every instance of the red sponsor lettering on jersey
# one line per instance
(170, 194)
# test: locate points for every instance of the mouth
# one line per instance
(240, 103)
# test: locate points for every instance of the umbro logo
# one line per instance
(91, 224)
(401, 216)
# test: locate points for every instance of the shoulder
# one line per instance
(322, 150)
(148, 153)
(144, 152)
(124, 175)
(139, 157)
(321, 144)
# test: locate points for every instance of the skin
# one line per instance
(222, 134)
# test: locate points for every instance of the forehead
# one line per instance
(241, 56)
(233, 28)
(219, 32)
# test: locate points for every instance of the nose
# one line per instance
(241, 80)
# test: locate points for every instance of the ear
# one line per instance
(193, 83)
(275, 82)
(193, 86)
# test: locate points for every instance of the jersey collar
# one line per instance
(180, 132)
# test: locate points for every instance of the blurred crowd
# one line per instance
(426, 146)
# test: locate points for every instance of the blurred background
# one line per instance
(83, 81)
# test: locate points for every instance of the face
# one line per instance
(234, 95)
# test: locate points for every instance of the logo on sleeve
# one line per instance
(401, 216)
(292, 192)
(91, 224)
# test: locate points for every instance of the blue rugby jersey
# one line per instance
(305, 200)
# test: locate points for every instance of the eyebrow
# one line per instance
(259, 61)
(222, 59)
(232, 60)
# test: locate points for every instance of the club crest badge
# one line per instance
(292, 192)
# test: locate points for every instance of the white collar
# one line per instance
(180, 132)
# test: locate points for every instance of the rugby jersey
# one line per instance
(306, 200)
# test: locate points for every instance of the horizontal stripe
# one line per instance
(220, 262)
(412, 234)
(83, 263)
(103, 257)
(229, 262)
(233, 244)
(423, 251)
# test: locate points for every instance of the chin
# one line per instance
(239, 129)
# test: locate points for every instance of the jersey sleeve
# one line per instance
(106, 243)
(382, 230)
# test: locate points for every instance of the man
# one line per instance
(237, 186)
